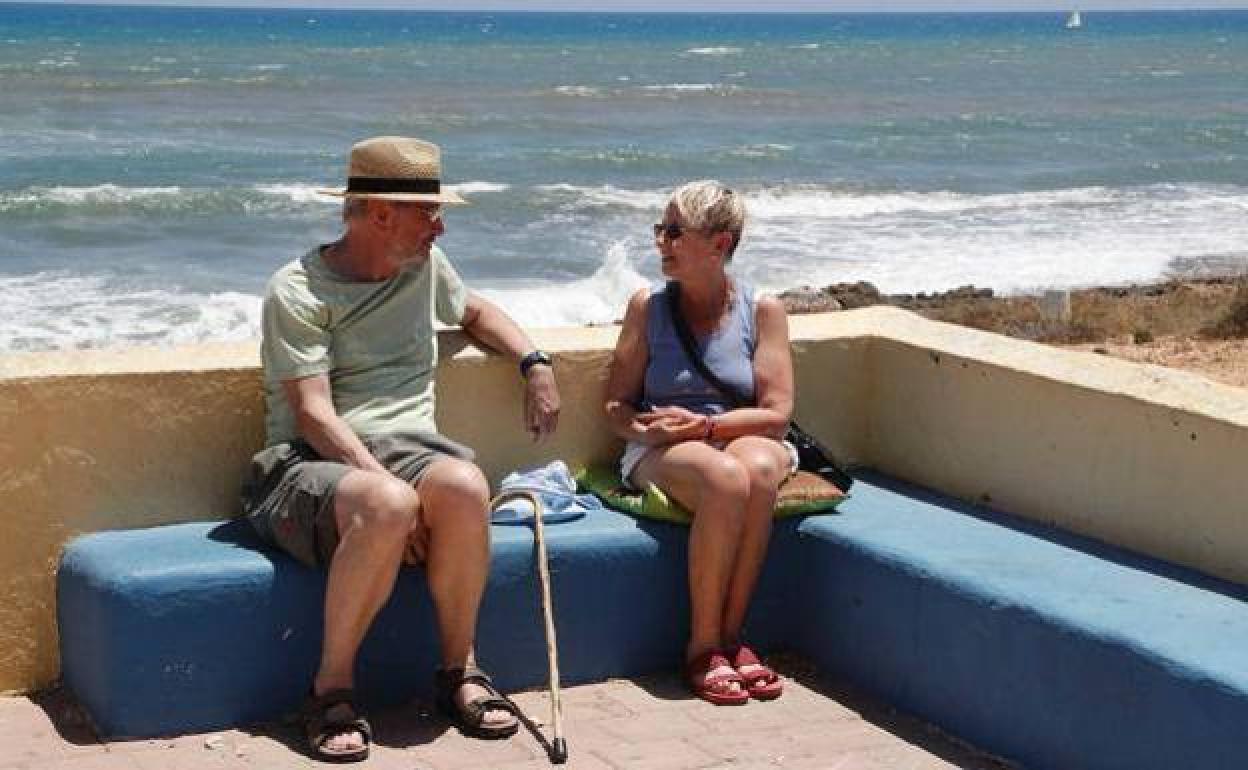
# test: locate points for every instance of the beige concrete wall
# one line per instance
(114, 439)
(1142, 456)
(1145, 457)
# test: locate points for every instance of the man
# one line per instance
(355, 477)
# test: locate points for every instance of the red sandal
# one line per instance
(762, 682)
(714, 687)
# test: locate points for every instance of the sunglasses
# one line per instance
(671, 231)
(431, 210)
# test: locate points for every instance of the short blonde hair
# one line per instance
(709, 206)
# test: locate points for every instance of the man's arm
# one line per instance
(319, 425)
(486, 323)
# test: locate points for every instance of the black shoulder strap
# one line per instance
(691, 349)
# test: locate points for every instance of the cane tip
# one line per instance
(559, 752)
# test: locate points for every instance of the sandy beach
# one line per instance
(1196, 324)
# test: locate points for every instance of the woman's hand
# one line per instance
(670, 425)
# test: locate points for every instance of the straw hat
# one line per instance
(396, 168)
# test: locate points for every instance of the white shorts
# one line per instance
(635, 450)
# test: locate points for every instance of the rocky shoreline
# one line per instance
(1198, 324)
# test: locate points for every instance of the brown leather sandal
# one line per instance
(471, 718)
(328, 716)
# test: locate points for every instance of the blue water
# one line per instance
(156, 164)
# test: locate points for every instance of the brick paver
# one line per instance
(650, 723)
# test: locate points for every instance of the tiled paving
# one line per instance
(643, 724)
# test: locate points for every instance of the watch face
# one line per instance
(532, 359)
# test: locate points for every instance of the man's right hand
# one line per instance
(541, 402)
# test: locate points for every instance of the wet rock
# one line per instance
(807, 299)
(852, 295)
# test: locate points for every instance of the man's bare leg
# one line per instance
(455, 512)
(374, 512)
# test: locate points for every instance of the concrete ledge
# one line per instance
(1143, 457)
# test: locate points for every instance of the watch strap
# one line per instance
(533, 359)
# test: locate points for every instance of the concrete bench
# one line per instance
(1051, 650)
(1044, 648)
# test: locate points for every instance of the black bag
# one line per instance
(811, 455)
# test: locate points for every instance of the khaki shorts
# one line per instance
(288, 494)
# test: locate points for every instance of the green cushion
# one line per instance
(604, 482)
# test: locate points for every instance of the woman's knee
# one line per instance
(766, 468)
(726, 476)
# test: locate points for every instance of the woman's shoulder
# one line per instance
(637, 309)
(640, 298)
(768, 309)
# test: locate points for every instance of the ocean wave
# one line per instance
(690, 87)
(616, 157)
(723, 50)
(903, 241)
(112, 198)
(607, 195)
(475, 187)
(578, 91)
(298, 193)
(94, 312)
(598, 299)
(76, 196)
(908, 242)
(62, 311)
(824, 203)
(764, 150)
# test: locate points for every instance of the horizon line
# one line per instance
(341, 5)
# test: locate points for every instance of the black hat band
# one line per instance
(373, 184)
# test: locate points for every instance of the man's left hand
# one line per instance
(541, 402)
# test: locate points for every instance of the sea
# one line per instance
(158, 164)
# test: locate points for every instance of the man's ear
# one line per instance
(723, 242)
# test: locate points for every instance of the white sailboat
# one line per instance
(1074, 20)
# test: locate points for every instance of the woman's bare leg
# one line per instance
(714, 486)
(767, 463)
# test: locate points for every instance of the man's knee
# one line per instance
(376, 502)
(455, 489)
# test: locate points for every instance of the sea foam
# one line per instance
(58, 310)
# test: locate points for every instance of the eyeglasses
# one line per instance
(431, 210)
(671, 230)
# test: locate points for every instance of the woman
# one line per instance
(722, 463)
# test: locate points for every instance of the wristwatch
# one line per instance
(533, 359)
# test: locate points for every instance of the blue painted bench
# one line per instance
(1042, 647)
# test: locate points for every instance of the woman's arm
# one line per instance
(625, 384)
(628, 370)
(773, 380)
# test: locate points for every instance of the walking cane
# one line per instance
(558, 749)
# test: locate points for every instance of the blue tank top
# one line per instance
(672, 380)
